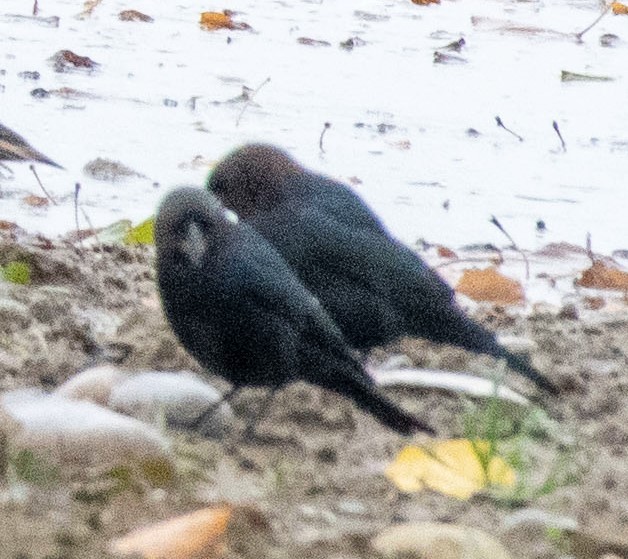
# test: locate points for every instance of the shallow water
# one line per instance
(391, 79)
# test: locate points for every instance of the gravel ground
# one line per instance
(315, 476)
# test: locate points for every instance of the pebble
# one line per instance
(80, 434)
(152, 396)
(433, 540)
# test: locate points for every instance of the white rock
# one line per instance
(180, 398)
(518, 344)
(464, 383)
(93, 384)
(433, 540)
(78, 433)
(539, 517)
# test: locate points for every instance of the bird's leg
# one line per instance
(250, 434)
(209, 411)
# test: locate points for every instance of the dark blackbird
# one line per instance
(240, 310)
(375, 288)
(15, 148)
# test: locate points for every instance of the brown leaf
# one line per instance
(506, 26)
(425, 2)
(134, 15)
(602, 276)
(8, 226)
(445, 58)
(594, 303)
(66, 59)
(445, 252)
(312, 42)
(35, 201)
(403, 145)
(490, 285)
(43, 242)
(560, 250)
(88, 8)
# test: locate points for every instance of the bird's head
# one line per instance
(253, 177)
(188, 224)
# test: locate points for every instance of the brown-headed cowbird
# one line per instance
(240, 310)
(15, 148)
(375, 288)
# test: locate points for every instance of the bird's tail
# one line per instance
(475, 337)
(523, 367)
(367, 398)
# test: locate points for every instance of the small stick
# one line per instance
(589, 249)
(35, 8)
(562, 142)
(326, 127)
(497, 224)
(77, 188)
(32, 168)
(501, 125)
(470, 259)
(250, 100)
(606, 10)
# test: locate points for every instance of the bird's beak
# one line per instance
(231, 216)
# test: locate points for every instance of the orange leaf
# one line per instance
(215, 20)
(198, 534)
(619, 8)
(490, 285)
(35, 201)
(601, 276)
(221, 20)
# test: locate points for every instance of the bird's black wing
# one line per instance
(265, 279)
(340, 202)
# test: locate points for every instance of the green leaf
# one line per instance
(17, 272)
(566, 76)
(33, 469)
(141, 234)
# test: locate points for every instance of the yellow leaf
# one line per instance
(450, 467)
(142, 234)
